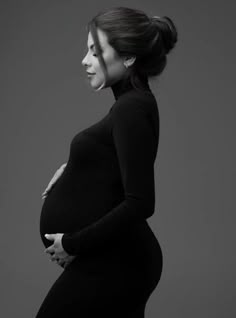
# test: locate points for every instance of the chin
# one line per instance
(99, 86)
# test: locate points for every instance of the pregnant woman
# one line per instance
(94, 217)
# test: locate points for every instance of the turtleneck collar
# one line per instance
(124, 85)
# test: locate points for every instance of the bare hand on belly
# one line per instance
(56, 251)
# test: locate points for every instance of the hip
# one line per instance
(139, 249)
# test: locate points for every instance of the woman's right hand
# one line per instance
(66, 261)
(54, 179)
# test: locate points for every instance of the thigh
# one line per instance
(85, 290)
(96, 287)
(72, 293)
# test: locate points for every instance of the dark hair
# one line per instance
(132, 33)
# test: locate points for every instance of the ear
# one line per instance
(128, 61)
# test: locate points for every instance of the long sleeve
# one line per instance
(136, 145)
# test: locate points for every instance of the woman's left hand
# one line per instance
(56, 249)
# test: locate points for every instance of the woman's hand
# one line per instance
(56, 251)
(54, 179)
(66, 261)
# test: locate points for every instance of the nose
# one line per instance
(84, 61)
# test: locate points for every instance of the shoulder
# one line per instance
(134, 102)
(136, 112)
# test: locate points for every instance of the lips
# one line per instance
(90, 73)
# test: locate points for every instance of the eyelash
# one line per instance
(96, 55)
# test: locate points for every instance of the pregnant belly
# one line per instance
(69, 210)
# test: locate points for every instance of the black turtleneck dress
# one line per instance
(101, 203)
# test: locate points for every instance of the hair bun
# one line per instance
(132, 32)
(168, 31)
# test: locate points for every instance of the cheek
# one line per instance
(97, 67)
(112, 65)
(116, 69)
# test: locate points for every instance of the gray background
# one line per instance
(46, 100)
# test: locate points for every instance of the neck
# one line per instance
(124, 85)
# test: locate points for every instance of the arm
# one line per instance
(135, 145)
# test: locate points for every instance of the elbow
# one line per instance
(148, 206)
(149, 210)
(144, 206)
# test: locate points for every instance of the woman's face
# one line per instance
(114, 63)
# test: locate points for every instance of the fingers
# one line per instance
(54, 258)
(44, 195)
(64, 165)
(50, 250)
(62, 263)
(48, 189)
(54, 179)
(65, 261)
(50, 185)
